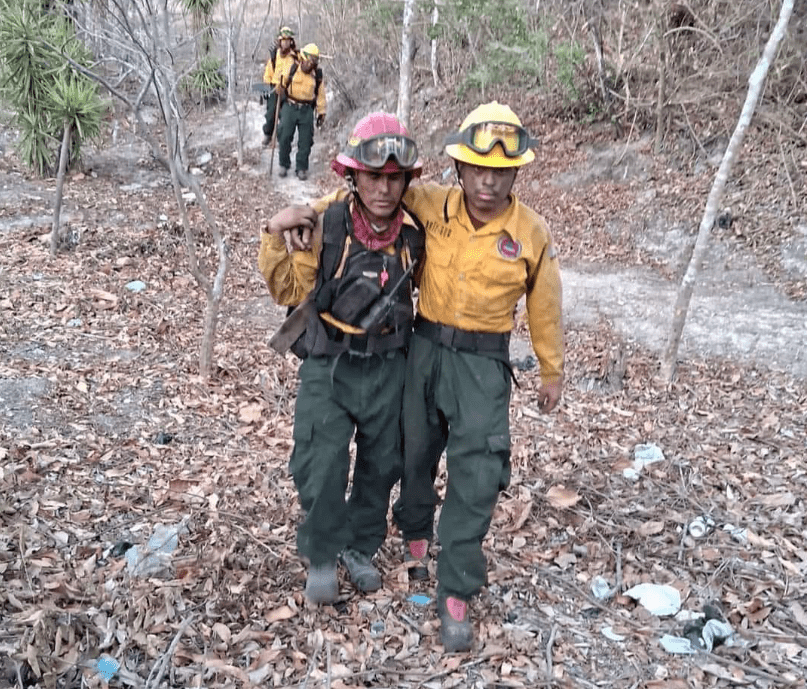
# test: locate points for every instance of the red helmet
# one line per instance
(379, 143)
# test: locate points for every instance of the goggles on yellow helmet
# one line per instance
(481, 137)
(377, 150)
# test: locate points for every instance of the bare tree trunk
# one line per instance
(142, 31)
(755, 83)
(405, 82)
(234, 24)
(434, 65)
(661, 96)
(55, 233)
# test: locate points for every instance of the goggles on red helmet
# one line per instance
(377, 150)
(483, 136)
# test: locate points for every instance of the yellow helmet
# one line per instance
(491, 136)
(285, 32)
(310, 50)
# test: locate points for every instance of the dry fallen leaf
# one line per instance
(561, 497)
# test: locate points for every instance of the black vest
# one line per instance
(351, 279)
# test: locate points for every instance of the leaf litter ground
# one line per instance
(107, 433)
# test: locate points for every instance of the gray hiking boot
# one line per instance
(322, 585)
(417, 552)
(364, 576)
(283, 172)
(456, 631)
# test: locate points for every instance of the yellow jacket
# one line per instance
(279, 70)
(302, 89)
(473, 278)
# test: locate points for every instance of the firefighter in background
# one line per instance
(303, 106)
(352, 375)
(281, 59)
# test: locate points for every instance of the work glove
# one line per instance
(320, 120)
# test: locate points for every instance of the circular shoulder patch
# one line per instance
(509, 248)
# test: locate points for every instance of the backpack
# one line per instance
(317, 80)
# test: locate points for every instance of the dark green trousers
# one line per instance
(459, 402)
(300, 119)
(269, 124)
(338, 397)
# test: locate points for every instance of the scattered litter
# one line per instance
(701, 526)
(163, 438)
(609, 633)
(419, 599)
(155, 559)
(737, 533)
(107, 667)
(136, 286)
(74, 323)
(658, 599)
(676, 644)
(601, 589)
(377, 628)
(702, 636)
(643, 455)
(526, 364)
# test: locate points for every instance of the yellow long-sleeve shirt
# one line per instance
(473, 278)
(302, 89)
(278, 70)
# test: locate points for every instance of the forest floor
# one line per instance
(108, 437)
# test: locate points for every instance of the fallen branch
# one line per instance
(161, 666)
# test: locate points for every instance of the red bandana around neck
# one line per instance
(364, 232)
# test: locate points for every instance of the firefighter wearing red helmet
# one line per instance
(356, 282)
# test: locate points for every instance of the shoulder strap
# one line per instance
(317, 84)
(273, 57)
(336, 226)
(291, 73)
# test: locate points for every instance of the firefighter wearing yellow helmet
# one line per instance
(484, 252)
(304, 105)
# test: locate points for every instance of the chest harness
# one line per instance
(351, 280)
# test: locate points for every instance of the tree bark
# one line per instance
(64, 154)
(755, 83)
(405, 82)
(434, 63)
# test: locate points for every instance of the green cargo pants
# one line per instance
(457, 401)
(300, 118)
(337, 397)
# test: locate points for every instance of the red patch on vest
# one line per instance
(509, 248)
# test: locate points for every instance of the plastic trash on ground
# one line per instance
(643, 455)
(705, 638)
(701, 526)
(136, 286)
(609, 633)
(154, 560)
(658, 599)
(601, 589)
